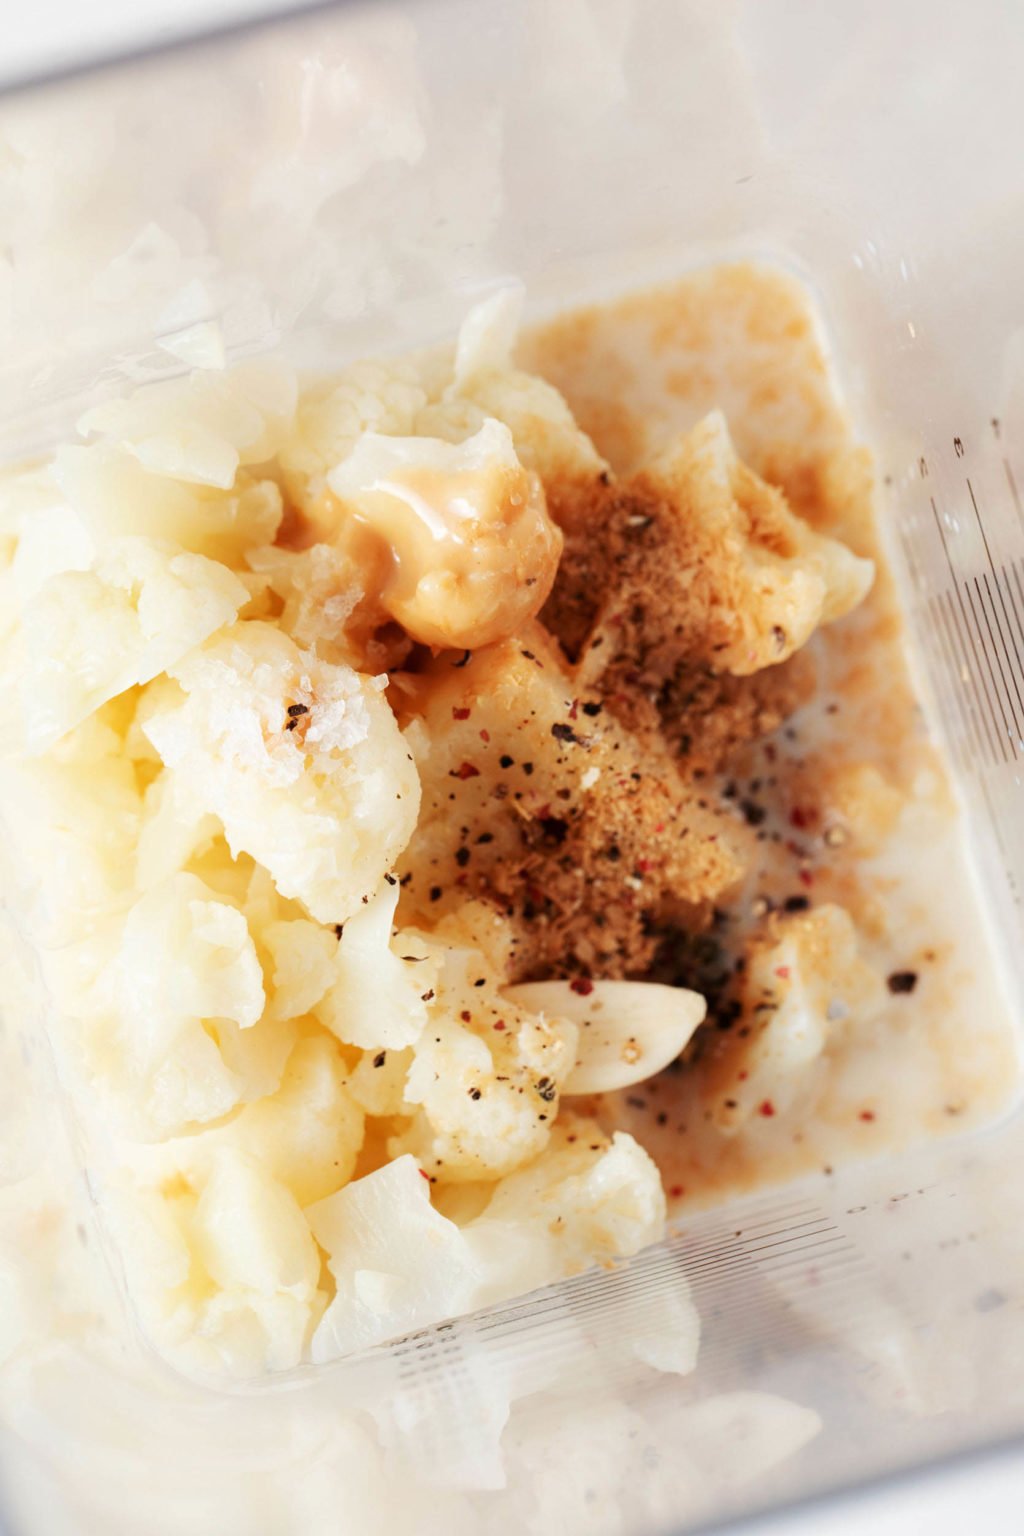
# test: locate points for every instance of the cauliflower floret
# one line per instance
(377, 996)
(71, 824)
(115, 496)
(455, 538)
(186, 988)
(89, 635)
(485, 1077)
(301, 964)
(201, 428)
(319, 591)
(308, 1133)
(221, 1265)
(543, 428)
(333, 415)
(803, 984)
(585, 1200)
(172, 829)
(301, 761)
(479, 381)
(40, 536)
(378, 1082)
(773, 580)
(397, 1263)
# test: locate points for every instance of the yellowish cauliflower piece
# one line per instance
(87, 636)
(485, 1077)
(300, 760)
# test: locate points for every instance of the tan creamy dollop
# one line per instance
(454, 537)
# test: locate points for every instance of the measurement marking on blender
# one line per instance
(966, 742)
(1002, 601)
(1014, 491)
(988, 651)
(979, 673)
(1007, 573)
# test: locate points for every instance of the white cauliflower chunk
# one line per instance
(318, 589)
(186, 984)
(378, 1082)
(310, 1131)
(377, 996)
(202, 428)
(459, 534)
(397, 1263)
(172, 829)
(302, 965)
(301, 761)
(487, 336)
(485, 1078)
(115, 496)
(804, 985)
(768, 579)
(252, 1240)
(89, 635)
(40, 536)
(71, 823)
(584, 1200)
(332, 416)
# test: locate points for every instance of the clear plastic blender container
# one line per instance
(345, 183)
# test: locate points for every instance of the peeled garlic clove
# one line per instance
(628, 1030)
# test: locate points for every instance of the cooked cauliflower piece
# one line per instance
(485, 1077)
(455, 539)
(375, 998)
(72, 821)
(200, 429)
(318, 589)
(87, 636)
(695, 562)
(397, 1263)
(378, 1082)
(771, 579)
(803, 984)
(173, 828)
(222, 1268)
(302, 965)
(115, 496)
(300, 760)
(333, 415)
(40, 536)
(308, 1132)
(585, 1199)
(186, 989)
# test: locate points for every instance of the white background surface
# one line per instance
(53, 35)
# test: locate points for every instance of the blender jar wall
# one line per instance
(345, 183)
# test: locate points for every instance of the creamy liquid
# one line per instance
(857, 757)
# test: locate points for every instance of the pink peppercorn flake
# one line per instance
(461, 714)
(766, 1108)
(464, 771)
(582, 986)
